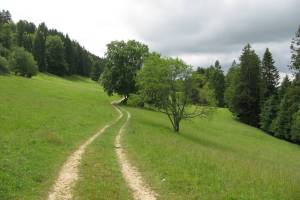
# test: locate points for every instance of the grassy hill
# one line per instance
(215, 158)
(43, 120)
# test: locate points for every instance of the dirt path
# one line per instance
(131, 174)
(62, 189)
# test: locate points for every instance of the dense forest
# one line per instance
(26, 49)
(251, 89)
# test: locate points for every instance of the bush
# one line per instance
(3, 66)
(22, 63)
(135, 101)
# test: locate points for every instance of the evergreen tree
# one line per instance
(55, 58)
(217, 81)
(69, 55)
(39, 48)
(24, 37)
(288, 107)
(295, 50)
(286, 83)
(231, 82)
(246, 105)
(97, 69)
(295, 130)
(270, 76)
(5, 17)
(268, 113)
(6, 35)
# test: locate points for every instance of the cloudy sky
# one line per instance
(198, 31)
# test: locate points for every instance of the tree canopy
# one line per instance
(166, 84)
(123, 60)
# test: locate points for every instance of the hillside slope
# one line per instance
(43, 120)
(215, 158)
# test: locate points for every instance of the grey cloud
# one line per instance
(215, 27)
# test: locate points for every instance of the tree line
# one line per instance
(26, 49)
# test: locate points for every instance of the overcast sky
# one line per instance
(198, 31)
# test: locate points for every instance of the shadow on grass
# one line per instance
(206, 143)
(76, 78)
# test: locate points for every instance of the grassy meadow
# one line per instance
(42, 121)
(214, 158)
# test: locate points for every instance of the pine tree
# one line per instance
(247, 103)
(216, 79)
(295, 50)
(55, 58)
(69, 55)
(295, 130)
(270, 76)
(231, 82)
(39, 48)
(288, 107)
(268, 113)
(286, 83)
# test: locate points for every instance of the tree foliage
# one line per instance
(295, 49)
(232, 80)
(39, 47)
(55, 59)
(268, 113)
(25, 34)
(270, 76)
(247, 103)
(216, 81)
(22, 63)
(166, 84)
(123, 60)
(3, 65)
(5, 17)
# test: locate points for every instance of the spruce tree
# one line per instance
(288, 107)
(270, 76)
(295, 129)
(55, 58)
(39, 48)
(268, 113)
(231, 81)
(69, 54)
(286, 83)
(247, 103)
(295, 50)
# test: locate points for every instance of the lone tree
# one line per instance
(123, 60)
(166, 84)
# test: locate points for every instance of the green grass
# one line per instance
(215, 158)
(43, 120)
(100, 175)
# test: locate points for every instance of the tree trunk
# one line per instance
(176, 124)
(124, 101)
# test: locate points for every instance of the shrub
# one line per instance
(135, 101)
(22, 63)
(3, 66)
